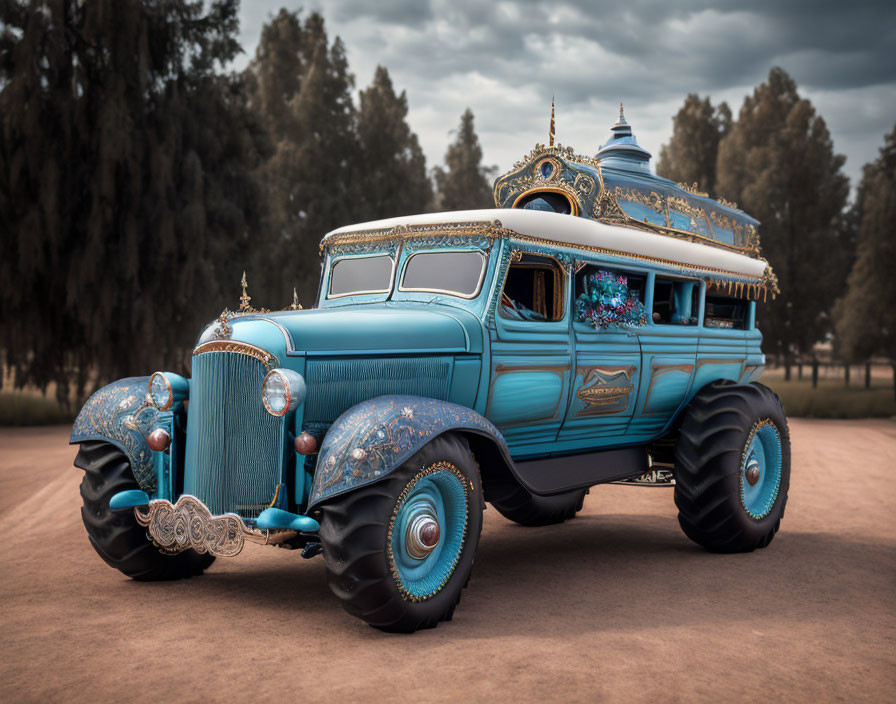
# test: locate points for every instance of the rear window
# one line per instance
(675, 302)
(357, 275)
(724, 312)
(454, 273)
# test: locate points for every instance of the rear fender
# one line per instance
(121, 413)
(372, 439)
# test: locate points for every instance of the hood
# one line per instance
(365, 328)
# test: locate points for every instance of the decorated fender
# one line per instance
(121, 413)
(372, 439)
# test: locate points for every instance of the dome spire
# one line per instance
(551, 130)
(622, 147)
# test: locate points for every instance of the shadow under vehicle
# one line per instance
(598, 326)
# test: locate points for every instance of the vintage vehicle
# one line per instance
(598, 326)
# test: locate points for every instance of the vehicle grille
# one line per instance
(234, 447)
(334, 386)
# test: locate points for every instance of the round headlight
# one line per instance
(160, 391)
(282, 391)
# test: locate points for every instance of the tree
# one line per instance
(692, 152)
(778, 163)
(466, 184)
(866, 315)
(302, 91)
(392, 168)
(125, 183)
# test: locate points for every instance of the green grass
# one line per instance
(23, 408)
(832, 399)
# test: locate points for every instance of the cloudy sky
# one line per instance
(505, 59)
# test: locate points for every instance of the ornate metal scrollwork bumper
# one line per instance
(188, 524)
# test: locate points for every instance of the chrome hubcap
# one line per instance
(752, 470)
(422, 534)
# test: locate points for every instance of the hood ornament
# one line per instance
(223, 331)
(295, 301)
(245, 298)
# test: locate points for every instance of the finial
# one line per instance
(223, 330)
(295, 301)
(245, 298)
(621, 116)
(551, 132)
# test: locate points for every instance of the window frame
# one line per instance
(332, 266)
(701, 297)
(563, 297)
(475, 250)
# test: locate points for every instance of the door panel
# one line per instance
(522, 393)
(669, 355)
(530, 365)
(605, 386)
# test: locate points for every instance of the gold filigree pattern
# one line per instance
(693, 189)
(189, 524)
(261, 355)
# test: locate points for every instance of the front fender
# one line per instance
(370, 440)
(122, 414)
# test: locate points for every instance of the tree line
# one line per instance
(139, 178)
(835, 260)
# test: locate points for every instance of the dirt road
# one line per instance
(616, 605)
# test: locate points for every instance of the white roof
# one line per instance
(573, 231)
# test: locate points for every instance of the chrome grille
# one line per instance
(234, 447)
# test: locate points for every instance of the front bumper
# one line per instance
(188, 524)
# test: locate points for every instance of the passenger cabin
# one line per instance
(609, 296)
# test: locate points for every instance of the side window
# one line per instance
(607, 297)
(533, 290)
(724, 312)
(675, 301)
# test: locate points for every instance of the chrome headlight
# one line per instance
(282, 391)
(166, 389)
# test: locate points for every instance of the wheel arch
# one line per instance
(370, 440)
(121, 414)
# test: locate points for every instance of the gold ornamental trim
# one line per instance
(266, 358)
(188, 524)
(751, 286)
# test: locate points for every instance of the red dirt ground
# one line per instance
(616, 605)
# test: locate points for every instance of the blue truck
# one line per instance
(598, 325)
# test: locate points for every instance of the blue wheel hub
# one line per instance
(760, 470)
(427, 531)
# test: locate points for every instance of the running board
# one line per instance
(555, 475)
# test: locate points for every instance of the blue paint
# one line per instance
(128, 499)
(119, 414)
(526, 396)
(372, 439)
(444, 496)
(277, 519)
(620, 175)
(180, 387)
(763, 454)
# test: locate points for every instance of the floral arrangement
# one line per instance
(607, 301)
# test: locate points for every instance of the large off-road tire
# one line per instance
(520, 506)
(116, 535)
(732, 467)
(368, 544)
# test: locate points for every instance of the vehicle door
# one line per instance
(608, 310)
(530, 353)
(668, 352)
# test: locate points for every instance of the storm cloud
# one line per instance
(505, 60)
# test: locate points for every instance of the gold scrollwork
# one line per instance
(189, 524)
(266, 358)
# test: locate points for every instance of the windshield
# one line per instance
(356, 275)
(454, 273)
